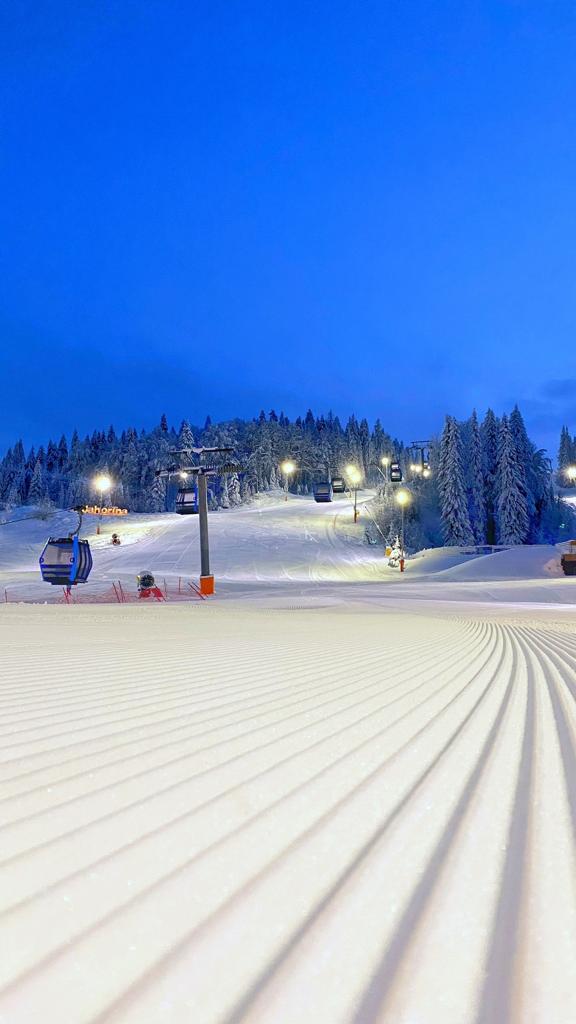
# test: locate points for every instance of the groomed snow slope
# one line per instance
(275, 546)
(222, 813)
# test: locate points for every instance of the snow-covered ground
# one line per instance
(275, 548)
(312, 799)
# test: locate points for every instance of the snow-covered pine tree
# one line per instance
(28, 471)
(476, 505)
(15, 477)
(512, 511)
(156, 498)
(131, 474)
(566, 454)
(51, 457)
(489, 436)
(62, 453)
(224, 500)
(451, 485)
(234, 489)
(525, 454)
(364, 442)
(185, 437)
(245, 488)
(38, 492)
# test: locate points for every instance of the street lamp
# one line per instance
(288, 467)
(354, 476)
(403, 499)
(385, 461)
(570, 472)
(102, 483)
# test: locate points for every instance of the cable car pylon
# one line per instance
(201, 473)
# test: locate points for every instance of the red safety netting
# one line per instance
(115, 592)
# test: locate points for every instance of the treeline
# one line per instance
(62, 473)
(566, 458)
(494, 485)
(489, 485)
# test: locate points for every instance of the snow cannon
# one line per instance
(66, 561)
(147, 587)
(568, 560)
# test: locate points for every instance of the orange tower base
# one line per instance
(206, 585)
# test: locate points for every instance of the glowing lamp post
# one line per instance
(354, 476)
(288, 468)
(385, 462)
(403, 498)
(102, 483)
(570, 472)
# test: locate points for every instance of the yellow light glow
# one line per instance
(403, 497)
(288, 467)
(102, 482)
(353, 474)
(570, 472)
(183, 475)
(426, 473)
(385, 460)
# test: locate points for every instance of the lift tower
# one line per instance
(202, 472)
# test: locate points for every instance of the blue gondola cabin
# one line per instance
(187, 501)
(323, 491)
(66, 561)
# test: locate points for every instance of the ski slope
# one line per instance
(332, 795)
(224, 813)
(270, 540)
(273, 550)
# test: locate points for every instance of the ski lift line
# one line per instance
(366, 509)
(227, 467)
(24, 519)
(199, 451)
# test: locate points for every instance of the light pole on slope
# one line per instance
(102, 483)
(354, 476)
(403, 498)
(288, 468)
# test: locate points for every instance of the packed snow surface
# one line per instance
(265, 548)
(314, 798)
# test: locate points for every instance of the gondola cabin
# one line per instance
(66, 561)
(187, 501)
(323, 491)
(395, 473)
(338, 485)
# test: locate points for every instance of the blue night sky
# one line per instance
(220, 207)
